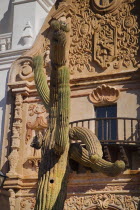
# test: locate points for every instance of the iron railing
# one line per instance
(113, 130)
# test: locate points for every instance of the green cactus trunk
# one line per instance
(53, 171)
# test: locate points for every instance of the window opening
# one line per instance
(106, 129)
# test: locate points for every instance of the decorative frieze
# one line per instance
(102, 202)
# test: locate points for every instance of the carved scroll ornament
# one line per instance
(104, 95)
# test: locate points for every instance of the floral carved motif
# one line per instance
(102, 202)
(104, 94)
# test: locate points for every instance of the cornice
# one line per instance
(46, 5)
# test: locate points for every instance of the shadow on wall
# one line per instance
(7, 20)
(3, 108)
(4, 200)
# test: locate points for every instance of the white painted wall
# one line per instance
(3, 7)
(3, 93)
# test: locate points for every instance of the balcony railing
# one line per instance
(120, 130)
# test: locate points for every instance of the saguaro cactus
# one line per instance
(53, 171)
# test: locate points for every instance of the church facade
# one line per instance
(103, 59)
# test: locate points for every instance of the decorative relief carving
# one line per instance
(115, 42)
(27, 203)
(34, 109)
(80, 57)
(105, 45)
(39, 123)
(34, 162)
(26, 72)
(12, 199)
(17, 126)
(104, 94)
(13, 161)
(102, 201)
(46, 54)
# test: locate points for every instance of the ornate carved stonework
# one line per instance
(17, 126)
(36, 109)
(34, 162)
(39, 124)
(12, 199)
(102, 202)
(27, 203)
(115, 34)
(21, 70)
(104, 95)
(26, 72)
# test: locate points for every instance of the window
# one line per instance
(106, 129)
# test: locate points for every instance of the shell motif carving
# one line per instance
(104, 95)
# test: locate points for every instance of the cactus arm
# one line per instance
(40, 80)
(88, 138)
(80, 154)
